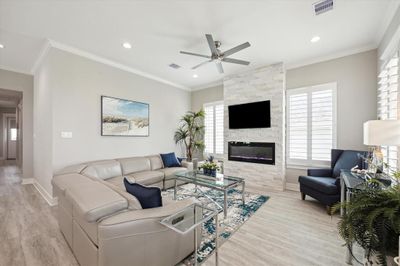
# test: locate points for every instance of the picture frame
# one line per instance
(124, 118)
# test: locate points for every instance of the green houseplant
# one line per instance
(372, 220)
(190, 133)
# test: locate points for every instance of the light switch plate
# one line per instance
(66, 135)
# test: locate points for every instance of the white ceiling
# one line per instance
(278, 30)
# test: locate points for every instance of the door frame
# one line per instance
(5, 133)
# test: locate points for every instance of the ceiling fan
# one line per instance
(218, 56)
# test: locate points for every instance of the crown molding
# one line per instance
(42, 54)
(387, 20)
(67, 48)
(7, 68)
(333, 56)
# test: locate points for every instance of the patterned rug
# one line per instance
(237, 215)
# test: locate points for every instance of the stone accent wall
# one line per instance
(265, 83)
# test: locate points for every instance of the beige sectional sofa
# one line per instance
(105, 225)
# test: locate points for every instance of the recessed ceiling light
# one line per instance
(127, 45)
(315, 39)
(1, 46)
(195, 76)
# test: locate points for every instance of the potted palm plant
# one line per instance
(372, 220)
(190, 133)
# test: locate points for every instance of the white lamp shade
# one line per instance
(382, 132)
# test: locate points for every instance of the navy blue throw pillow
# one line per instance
(149, 197)
(170, 160)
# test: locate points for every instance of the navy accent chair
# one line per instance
(324, 184)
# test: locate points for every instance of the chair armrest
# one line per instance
(321, 172)
(188, 165)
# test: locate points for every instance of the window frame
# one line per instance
(214, 104)
(305, 163)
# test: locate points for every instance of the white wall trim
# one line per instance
(42, 54)
(49, 199)
(292, 187)
(7, 68)
(27, 181)
(330, 57)
(76, 51)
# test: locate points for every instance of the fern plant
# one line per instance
(190, 132)
(372, 220)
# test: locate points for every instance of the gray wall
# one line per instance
(212, 94)
(21, 82)
(70, 87)
(356, 95)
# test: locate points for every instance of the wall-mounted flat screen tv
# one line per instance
(250, 115)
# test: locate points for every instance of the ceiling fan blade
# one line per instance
(189, 53)
(219, 67)
(236, 61)
(237, 49)
(211, 44)
(199, 65)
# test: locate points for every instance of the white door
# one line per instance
(11, 138)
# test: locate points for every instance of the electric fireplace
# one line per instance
(252, 152)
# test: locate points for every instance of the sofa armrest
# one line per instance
(321, 172)
(140, 221)
(188, 165)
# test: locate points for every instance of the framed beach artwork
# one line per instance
(121, 117)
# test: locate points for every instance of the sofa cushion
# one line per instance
(347, 160)
(155, 162)
(94, 201)
(325, 185)
(170, 160)
(103, 170)
(149, 197)
(170, 172)
(146, 177)
(133, 202)
(73, 169)
(134, 164)
(62, 183)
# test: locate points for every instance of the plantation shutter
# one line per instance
(297, 126)
(219, 129)
(388, 104)
(311, 124)
(214, 128)
(209, 129)
(322, 125)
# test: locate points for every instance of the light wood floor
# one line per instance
(285, 231)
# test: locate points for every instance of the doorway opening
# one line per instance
(10, 127)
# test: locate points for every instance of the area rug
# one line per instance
(237, 215)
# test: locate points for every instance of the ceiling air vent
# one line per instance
(323, 6)
(174, 66)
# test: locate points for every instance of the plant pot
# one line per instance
(214, 172)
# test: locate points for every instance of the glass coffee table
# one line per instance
(220, 182)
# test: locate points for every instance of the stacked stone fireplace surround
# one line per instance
(265, 83)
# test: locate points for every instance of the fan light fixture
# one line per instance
(217, 56)
(127, 45)
(195, 76)
(1, 46)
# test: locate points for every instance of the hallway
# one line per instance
(28, 228)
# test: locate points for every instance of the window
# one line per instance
(214, 128)
(387, 104)
(13, 134)
(311, 125)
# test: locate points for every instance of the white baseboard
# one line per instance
(292, 186)
(48, 198)
(27, 181)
